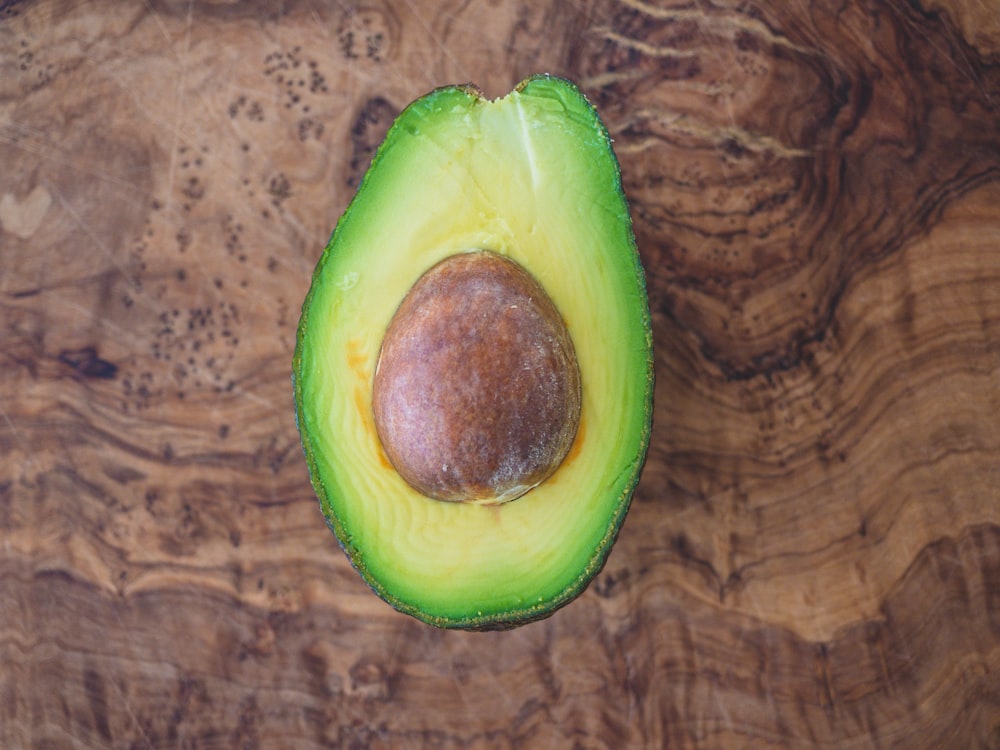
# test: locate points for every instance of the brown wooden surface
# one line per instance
(813, 555)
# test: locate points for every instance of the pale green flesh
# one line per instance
(530, 176)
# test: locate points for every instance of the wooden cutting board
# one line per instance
(813, 555)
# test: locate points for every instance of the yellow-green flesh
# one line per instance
(530, 176)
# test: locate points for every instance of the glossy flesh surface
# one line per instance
(531, 177)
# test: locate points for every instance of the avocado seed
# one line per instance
(477, 392)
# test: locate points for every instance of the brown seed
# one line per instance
(477, 390)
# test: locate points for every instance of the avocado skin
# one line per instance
(517, 616)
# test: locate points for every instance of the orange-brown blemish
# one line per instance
(574, 450)
(383, 459)
(357, 359)
(364, 411)
(361, 405)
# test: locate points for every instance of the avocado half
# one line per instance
(531, 177)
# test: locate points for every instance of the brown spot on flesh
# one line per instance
(476, 395)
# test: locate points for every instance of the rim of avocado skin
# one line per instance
(431, 169)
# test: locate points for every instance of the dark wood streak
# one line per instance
(849, 168)
(367, 132)
(86, 363)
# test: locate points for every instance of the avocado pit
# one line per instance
(476, 396)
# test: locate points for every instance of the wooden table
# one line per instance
(813, 555)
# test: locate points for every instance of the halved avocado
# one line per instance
(532, 178)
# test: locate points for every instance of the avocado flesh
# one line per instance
(530, 176)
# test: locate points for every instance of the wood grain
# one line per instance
(813, 556)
